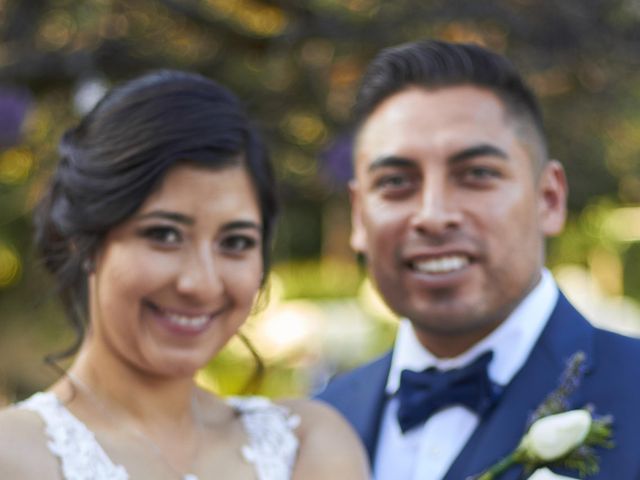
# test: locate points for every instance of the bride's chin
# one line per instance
(183, 368)
(171, 366)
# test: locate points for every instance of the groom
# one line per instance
(453, 197)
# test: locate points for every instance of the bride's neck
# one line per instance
(124, 403)
(146, 398)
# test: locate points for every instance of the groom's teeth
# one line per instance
(442, 264)
(185, 321)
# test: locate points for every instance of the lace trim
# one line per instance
(273, 445)
(81, 456)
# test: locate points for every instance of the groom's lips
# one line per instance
(441, 264)
(440, 268)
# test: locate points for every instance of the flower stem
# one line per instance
(499, 468)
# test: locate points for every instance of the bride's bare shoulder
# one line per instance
(23, 446)
(19, 425)
(329, 448)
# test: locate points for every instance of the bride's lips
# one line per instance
(182, 322)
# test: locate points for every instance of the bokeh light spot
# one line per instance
(15, 165)
(305, 128)
(57, 30)
(10, 265)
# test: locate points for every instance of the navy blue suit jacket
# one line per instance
(611, 383)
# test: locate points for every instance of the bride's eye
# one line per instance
(162, 235)
(238, 243)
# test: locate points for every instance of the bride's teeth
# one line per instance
(442, 265)
(184, 321)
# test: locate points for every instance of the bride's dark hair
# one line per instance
(118, 154)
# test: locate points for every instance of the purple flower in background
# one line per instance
(14, 104)
(336, 161)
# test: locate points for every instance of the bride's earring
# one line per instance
(88, 266)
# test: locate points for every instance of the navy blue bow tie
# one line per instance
(423, 393)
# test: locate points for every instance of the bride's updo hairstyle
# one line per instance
(119, 153)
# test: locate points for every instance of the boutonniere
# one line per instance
(558, 437)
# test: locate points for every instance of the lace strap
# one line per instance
(81, 456)
(273, 445)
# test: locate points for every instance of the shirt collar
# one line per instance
(511, 342)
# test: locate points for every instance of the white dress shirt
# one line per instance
(427, 452)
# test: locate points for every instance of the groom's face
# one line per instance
(451, 210)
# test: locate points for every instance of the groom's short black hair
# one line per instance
(435, 64)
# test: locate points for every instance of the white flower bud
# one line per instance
(546, 474)
(554, 436)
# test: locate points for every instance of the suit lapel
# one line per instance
(360, 397)
(370, 402)
(566, 333)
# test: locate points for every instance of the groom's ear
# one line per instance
(358, 239)
(552, 198)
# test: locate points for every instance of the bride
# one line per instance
(156, 227)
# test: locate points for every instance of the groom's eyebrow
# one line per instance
(390, 161)
(482, 150)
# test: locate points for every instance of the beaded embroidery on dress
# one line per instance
(272, 447)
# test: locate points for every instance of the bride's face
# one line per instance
(174, 282)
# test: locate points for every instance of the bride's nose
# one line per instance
(199, 276)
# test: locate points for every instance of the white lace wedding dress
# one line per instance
(272, 446)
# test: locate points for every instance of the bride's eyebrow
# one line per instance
(242, 224)
(167, 215)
